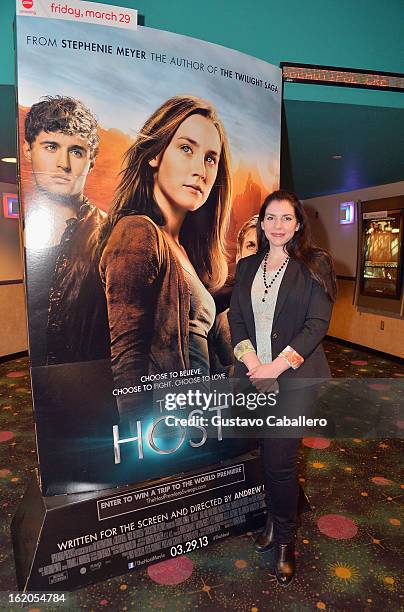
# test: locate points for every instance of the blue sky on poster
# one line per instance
(123, 91)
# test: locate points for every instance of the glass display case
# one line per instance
(382, 239)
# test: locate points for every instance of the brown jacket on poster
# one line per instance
(147, 300)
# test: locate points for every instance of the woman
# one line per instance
(163, 244)
(279, 312)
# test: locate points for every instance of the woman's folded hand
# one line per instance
(263, 377)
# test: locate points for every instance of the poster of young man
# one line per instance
(142, 154)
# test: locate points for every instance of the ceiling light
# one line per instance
(336, 156)
(9, 160)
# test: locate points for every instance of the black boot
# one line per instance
(285, 563)
(265, 540)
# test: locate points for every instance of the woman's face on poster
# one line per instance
(186, 170)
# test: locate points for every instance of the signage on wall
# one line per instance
(379, 214)
(342, 77)
(10, 206)
(346, 213)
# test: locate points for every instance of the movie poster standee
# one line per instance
(118, 123)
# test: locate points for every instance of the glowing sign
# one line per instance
(344, 77)
(10, 206)
(347, 213)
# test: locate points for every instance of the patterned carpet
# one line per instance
(348, 547)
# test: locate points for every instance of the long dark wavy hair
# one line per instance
(203, 231)
(300, 246)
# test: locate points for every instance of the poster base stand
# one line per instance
(66, 542)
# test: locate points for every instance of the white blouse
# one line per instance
(264, 311)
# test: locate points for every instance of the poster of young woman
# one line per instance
(142, 155)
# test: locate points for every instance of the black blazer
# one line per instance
(301, 319)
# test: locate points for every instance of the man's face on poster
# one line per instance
(60, 163)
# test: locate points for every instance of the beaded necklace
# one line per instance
(264, 274)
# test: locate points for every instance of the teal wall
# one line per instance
(364, 34)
